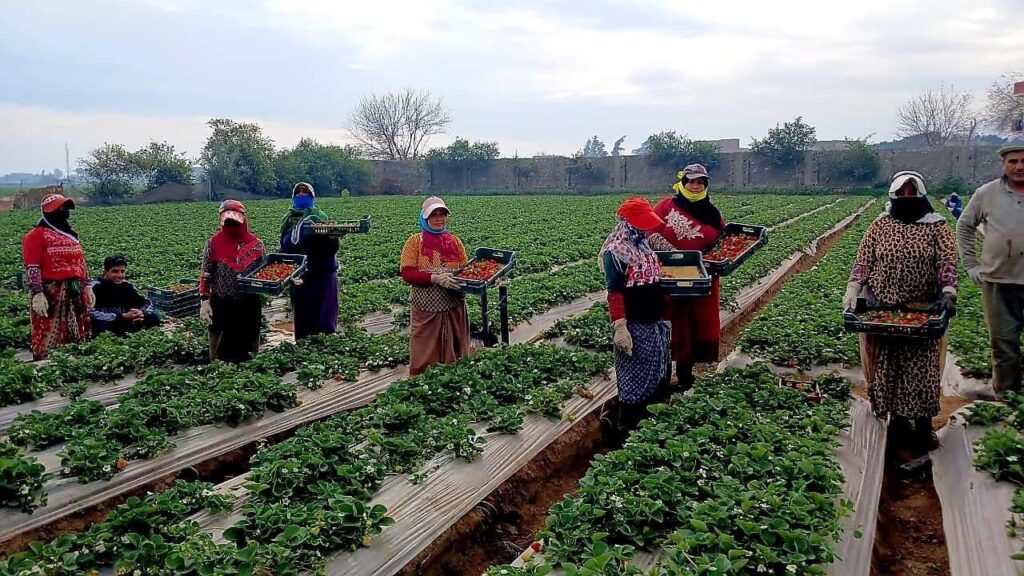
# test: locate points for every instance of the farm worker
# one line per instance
(234, 318)
(636, 306)
(954, 205)
(692, 222)
(438, 321)
(908, 254)
(999, 206)
(119, 307)
(315, 295)
(57, 278)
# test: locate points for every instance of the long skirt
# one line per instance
(437, 337)
(640, 376)
(68, 319)
(315, 305)
(904, 375)
(696, 327)
(235, 330)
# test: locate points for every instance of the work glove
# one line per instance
(40, 306)
(621, 339)
(206, 312)
(850, 298)
(445, 280)
(660, 243)
(297, 281)
(975, 274)
(949, 303)
(90, 297)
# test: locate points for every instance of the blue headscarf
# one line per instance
(426, 227)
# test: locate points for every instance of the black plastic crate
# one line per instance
(337, 229)
(164, 297)
(933, 329)
(684, 287)
(182, 311)
(252, 285)
(725, 267)
(505, 257)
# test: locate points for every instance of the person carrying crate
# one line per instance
(908, 255)
(636, 306)
(120, 309)
(315, 295)
(692, 222)
(438, 320)
(234, 318)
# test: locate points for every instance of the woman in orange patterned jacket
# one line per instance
(57, 278)
(438, 321)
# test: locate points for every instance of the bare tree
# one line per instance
(937, 116)
(1002, 107)
(617, 148)
(396, 125)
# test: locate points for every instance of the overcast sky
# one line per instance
(536, 76)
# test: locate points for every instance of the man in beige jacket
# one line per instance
(999, 205)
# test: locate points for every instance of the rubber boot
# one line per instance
(924, 436)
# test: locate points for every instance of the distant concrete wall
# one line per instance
(734, 171)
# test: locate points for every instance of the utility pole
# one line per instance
(67, 163)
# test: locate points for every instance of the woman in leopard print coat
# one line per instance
(908, 254)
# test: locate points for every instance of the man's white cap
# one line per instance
(431, 204)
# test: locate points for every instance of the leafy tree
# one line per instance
(670, 148)
(238, 155)
(859, 162)
(111, 171)
(938, 116)
(159, 163)
(396, 125)
(461, 155)
(585, 171)
(617, 148)
(328, 167)
(594, 148)
(784, 146)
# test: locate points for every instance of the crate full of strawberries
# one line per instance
(737, 243)
(486, 267)
(276, 273)
(912, 320)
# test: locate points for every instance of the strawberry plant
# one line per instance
(21, 479)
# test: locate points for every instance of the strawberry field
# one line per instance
(341, 452)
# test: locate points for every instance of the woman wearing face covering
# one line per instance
(57, 278)
(907, 255)
(438, 322)
(636, 306)
(315, 296)
(234, 318)
(692, 222)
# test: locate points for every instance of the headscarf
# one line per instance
(58, 220)
(910, 209)
(441, 241)
(630, 246)
(234, 246)
(697, 205)
(296, 216)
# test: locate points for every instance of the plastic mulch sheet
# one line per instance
(975, 508)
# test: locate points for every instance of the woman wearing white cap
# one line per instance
(234, 318)
(57, 278)
(438, 322)
(908, 254)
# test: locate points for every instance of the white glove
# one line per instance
(297, 281)
(622, 341)
(206, 312)
(40, 306)
(660, 243)
(445, 280)
(975, 275)
(90, 297)
(850, 298)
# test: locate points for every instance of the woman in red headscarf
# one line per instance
(636, 306)
(57, 279)
(234, 318)
(692, 222)
(438, 321)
